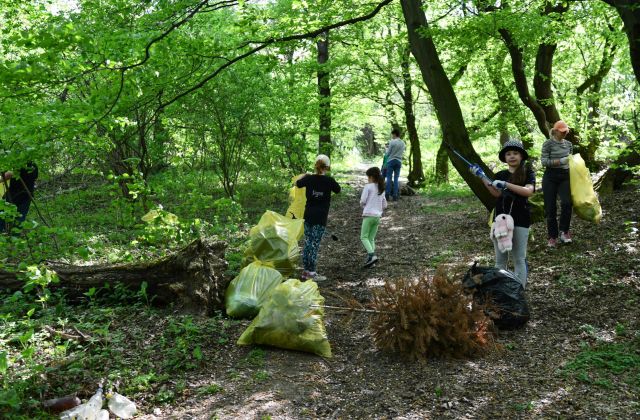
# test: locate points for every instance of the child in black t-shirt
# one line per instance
(318, 192)
(512, 188)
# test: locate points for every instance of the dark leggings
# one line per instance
(555, 182)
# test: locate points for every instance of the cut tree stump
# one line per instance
(192, 278)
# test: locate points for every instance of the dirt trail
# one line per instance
(521, 381)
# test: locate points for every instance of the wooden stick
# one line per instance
(373, 311)
(55, 241)
(62, 334)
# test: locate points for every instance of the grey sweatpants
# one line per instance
(518, 254)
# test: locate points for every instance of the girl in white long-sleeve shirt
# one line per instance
(373, 202)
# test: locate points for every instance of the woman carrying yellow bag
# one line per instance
(555, 183)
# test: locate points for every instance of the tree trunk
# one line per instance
(442, 166)
(619, 173)
(416, 174)
(324, 89)
(543, 104)
(592, 86)
(507, 104)
(445, 102)
(192, 278)
(542, 78)
(630, 14)
(520, 79)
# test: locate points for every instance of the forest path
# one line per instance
(416, 235)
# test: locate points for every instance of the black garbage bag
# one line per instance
(502, 294)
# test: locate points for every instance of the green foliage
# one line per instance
(608, 364)
(144, 350)
(181, 341)
(210, 389)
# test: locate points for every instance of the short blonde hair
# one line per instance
(322, 163)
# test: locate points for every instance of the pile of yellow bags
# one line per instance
(274, 241)
(248, 291)
(289, 314)
(291, 318)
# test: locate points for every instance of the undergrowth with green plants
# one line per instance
(611, 364)
(55, 348)
(51, 347)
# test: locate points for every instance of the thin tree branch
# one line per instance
(268, 42)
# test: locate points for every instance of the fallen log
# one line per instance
(192, 278)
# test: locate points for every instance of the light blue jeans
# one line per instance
(518, 254)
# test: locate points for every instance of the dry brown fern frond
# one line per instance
(429, 317)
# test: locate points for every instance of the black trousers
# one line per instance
(555, 183)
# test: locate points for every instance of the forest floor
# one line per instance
(565, 363)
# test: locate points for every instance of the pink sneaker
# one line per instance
(565, 237)
(306, 275)
(552, 243)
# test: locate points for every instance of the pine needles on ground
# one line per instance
(429, 317)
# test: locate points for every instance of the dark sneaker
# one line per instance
(565, 237)
(306, 275)
(370, 261)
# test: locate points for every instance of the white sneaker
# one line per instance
(316, 277)
(565, 237)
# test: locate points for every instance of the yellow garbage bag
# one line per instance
(585, 201)
(274, 240)
(3, 189)
(297, 200)
(249, 290)
(291, 318)
(162, 215)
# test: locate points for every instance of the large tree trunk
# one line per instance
(520, 79)
(416, 174)
(193, 278)
(592, 86)
(507, 104)
(630, 14)
(615, 176)
(324, 89)
(543, 105)
(445, 102)
(441, 168)
(542, 79)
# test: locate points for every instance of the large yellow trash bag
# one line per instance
(162, 215)
(274, 240)
(297, 199)
(250, 289)
(291, 318)
(584, 198)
